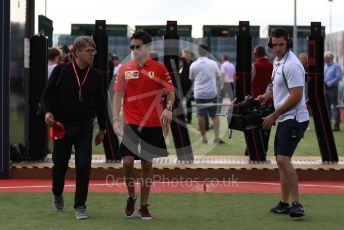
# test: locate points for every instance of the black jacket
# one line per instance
(62, 100)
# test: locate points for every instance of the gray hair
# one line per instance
(81, 42)
(328, 53)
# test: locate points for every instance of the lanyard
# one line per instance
(78, 79)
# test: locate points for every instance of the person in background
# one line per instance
(204, 72)
(116, 63)
(261, 71)
(111, 67)
(261, 77)
(228, 70)
(154, 55)
(303, 57)
(54, 57)
(332, 76)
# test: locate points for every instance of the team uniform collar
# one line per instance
(145, 65)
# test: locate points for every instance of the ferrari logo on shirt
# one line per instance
(133, 74)
(151, 74)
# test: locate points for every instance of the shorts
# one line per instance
(150, 140)
(202, 111)
(288, 135)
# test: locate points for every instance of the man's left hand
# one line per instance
(166, 117)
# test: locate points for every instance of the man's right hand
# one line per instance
(49, 119)
(117, 127)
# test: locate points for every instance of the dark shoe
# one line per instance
(58, 203)
(80, 213)
(219, 141)
(144, 213)
(336, 128)
(281, 208)
(296, 210)
(130, 207)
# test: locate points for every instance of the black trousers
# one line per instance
(79, 135)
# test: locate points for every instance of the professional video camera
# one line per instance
(248, 114)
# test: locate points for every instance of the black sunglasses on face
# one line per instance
(132, 47)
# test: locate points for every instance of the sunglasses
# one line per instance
(133, 47)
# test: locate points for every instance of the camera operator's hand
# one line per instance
(269, 120)
(262, 99)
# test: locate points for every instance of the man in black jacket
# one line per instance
(74, 96)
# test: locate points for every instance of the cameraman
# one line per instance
(287, 91)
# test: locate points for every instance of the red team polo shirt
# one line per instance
(143, 88)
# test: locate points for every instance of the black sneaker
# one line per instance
(281, 208)
(296, 210)
(58, 203)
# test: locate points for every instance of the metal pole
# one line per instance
(295, 29)
(45, 8)
(330, 6)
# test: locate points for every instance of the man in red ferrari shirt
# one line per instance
(140, 84)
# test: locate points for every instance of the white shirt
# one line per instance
(295, 76)
(50, 69)
(204, 73)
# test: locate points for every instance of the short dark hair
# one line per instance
(54, 52)
(143, 36)
(259, 51)
(203, 50)
(115, 57)
(225, 57)
(279, 32)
